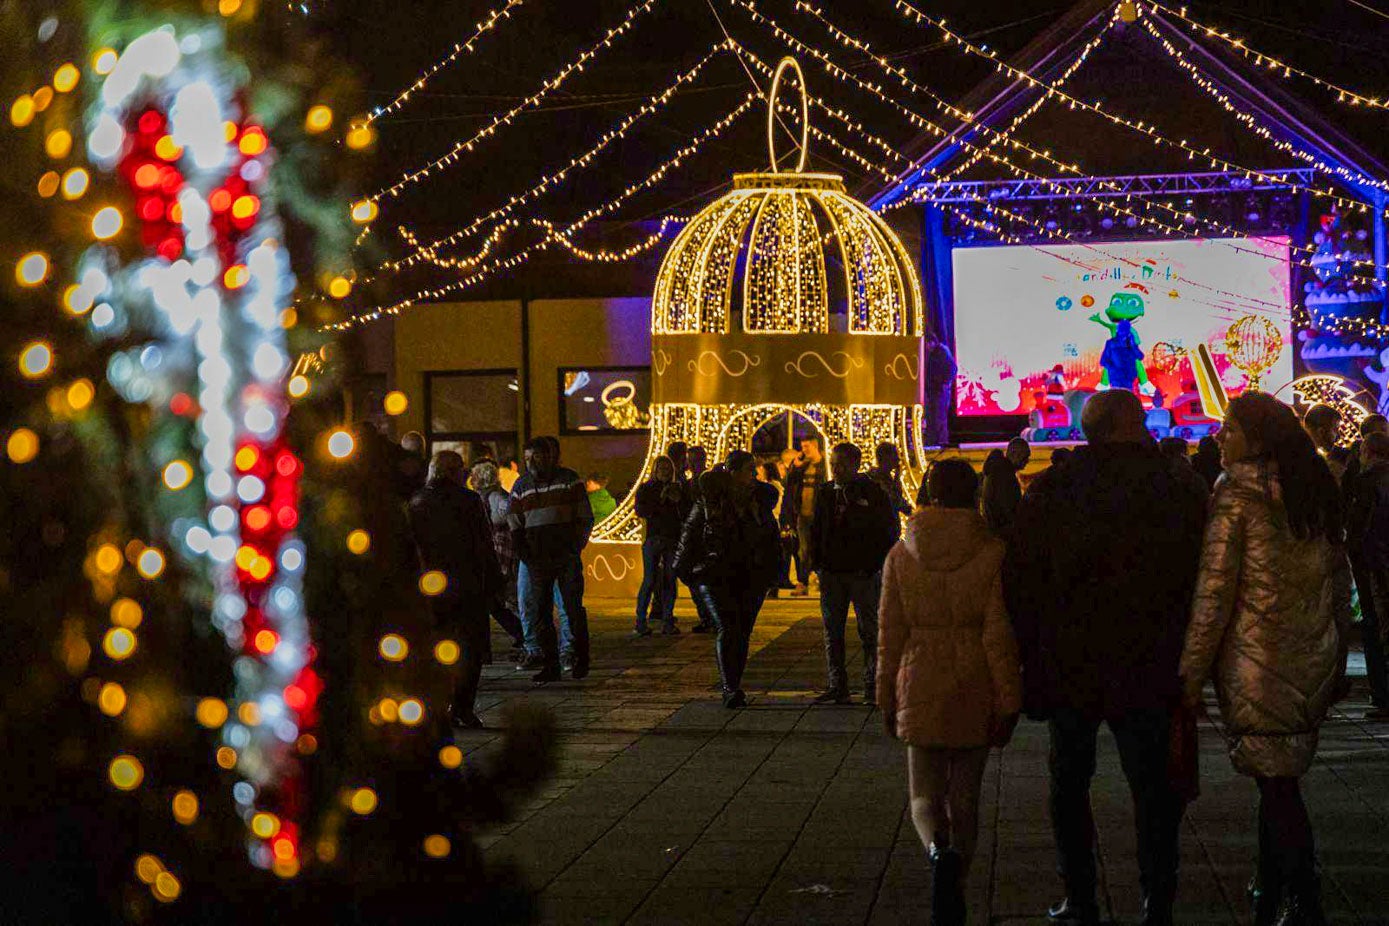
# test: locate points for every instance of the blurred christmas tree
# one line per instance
(222, 694)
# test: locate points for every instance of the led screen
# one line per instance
(1041, 324)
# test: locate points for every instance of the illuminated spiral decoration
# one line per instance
(1253, 344)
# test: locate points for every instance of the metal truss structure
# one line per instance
(1140, 185)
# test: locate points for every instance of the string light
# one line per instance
(1247, 119)
(908, 11)
(462, 147)
(552, 180)
(1267, 61)
(460, 49)
(502, 264)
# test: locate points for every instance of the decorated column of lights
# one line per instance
(1247, 119)
(501, 264)
(463, 48)
(1264, 60)
(172, 124)
(741, 326)
(920, 121)
(464, 146)
(554, 179)
(914, 14)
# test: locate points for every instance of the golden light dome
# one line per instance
(787, 252)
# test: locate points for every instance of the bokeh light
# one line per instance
(106, 224)
(127, 613)
(150, 563)
(363, 801)
(118, 643)
(111, 699)
(22, 446)
(359, 541)
(450, 757)
(395, 402)
(35, 359)
(32, 269)
(393, 647)
(433, 583)
(436, 846)
(126, 772)
(178, 474)
(75, 183)
(318, 119)
(446, 652)
(211, 712)
(185, 807)
(341, 444)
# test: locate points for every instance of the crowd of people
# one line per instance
(1108, 590)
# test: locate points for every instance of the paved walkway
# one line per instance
(669, 809)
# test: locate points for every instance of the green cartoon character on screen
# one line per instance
(1122, 360)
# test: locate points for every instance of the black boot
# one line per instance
(1303, 906)
(947, 888)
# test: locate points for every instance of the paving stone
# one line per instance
(670, 809)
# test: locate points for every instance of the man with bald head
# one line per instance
(1099, 582)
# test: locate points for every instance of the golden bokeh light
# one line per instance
(339, 287)
(22, 446)
(35, 359)
(364, 211)
(450, 757)
(178, 474)
(166, 887)
(111, 700)
(395, 402)
(433, 583)
(318, 119)
(22, 110)
(65, 78)
(298, 386)
(211, 712)
(341, 444)
(393, 647)
(265, 825)
(359, 541)
(126, 772)
(185, 807)
(107, 222)
(127, 613)
(147, 868)
(226, 757)
(75, 183)
(118, 643)
(80, 394)
(363, 801)
(58, 144)
(32, 268)
(411, 711)
(150, 563)
(108, 559)
(437, 846)
(446, 652)
(104, 61)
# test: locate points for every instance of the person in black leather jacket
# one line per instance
(454, 536)
(663, 503)
(717, 558)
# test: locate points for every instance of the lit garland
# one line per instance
(462, 147)
(552, 180)
(909, 11)
(552, 237)
(918, 120)
(1269, 62)
(1248, 120)
(464, 48)
(218, 278)
(655, 177)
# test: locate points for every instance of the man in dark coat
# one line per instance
(1099, 579)
(454, 537)
(1367, 540)
(852, 531)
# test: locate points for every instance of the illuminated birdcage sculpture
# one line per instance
(784, 295)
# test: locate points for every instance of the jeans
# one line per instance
(1142, 737)
(733, 609)
(528, 610)
(544, 583)
(658, 579)
(837, 591)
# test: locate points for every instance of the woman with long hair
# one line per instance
(1269, 621)
(948, 676)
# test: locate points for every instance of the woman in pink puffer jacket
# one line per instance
(949, 682)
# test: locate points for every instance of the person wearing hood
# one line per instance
(852, 528)
(1269, 623)
(1002, 492)
(1099, 579)
(949, 682)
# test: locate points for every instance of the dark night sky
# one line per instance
(391, 43)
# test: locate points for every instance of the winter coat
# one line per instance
(717, 545)
(664, 512)
(1100, 571)
(1367, 515)
(550, 518)
(947, 660)
(453, 535)
(1269, 622)
(853, 528)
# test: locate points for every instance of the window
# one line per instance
(466, 409)
(604, 399)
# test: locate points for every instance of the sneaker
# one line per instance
(800, 591)
(566, 661)
(832, 696)
(545, 676)
(670, 630)
(466, 720)
(642, 631)
(530, 661)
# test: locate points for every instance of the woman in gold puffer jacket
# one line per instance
(1268, 623)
